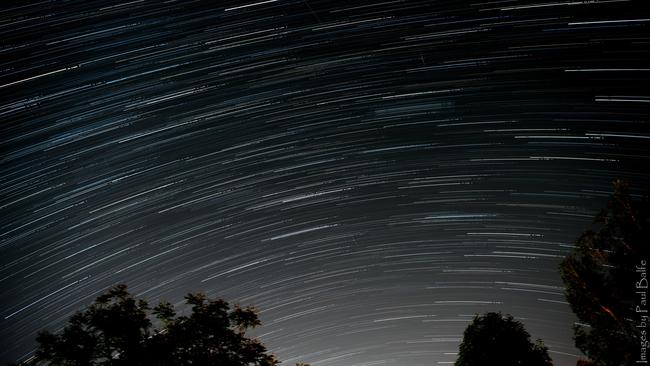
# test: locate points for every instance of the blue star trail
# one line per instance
(369, 175)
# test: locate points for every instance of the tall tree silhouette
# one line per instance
(495, 339)
(600, 278)
(116, 330)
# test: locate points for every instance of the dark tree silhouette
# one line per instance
(116, 330)
(600, 280)
(495, 339)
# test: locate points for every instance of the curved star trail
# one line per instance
(368, 174)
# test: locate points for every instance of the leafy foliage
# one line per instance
(600, 278)
(494, 339)
(116, 331)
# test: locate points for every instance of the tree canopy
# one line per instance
(116, 330)
(495, 339)
(600, 276)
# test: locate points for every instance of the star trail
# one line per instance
(369, 175)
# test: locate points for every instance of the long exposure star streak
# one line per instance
(369, 175)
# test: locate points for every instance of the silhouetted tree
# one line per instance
(600, 280)
(494, 339)
(116, 330)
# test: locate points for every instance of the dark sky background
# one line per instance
(368, 174)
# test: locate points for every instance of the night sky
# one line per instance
(369, 175)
